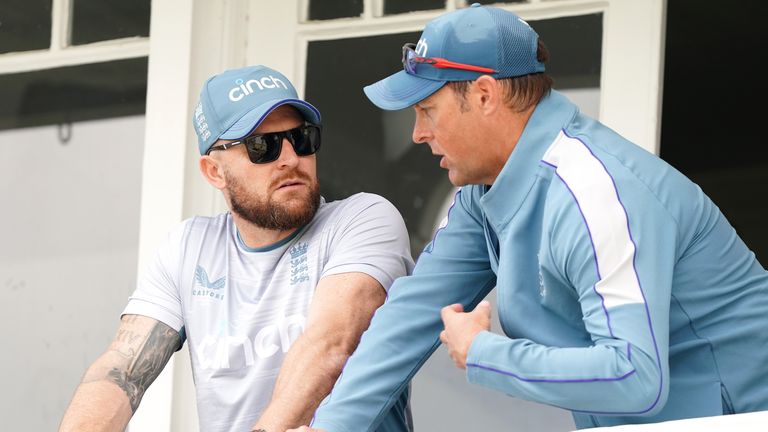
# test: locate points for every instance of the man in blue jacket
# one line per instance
(624, 294)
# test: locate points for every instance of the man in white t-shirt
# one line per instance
(274, 295)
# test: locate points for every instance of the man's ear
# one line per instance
(213, 171)
(487, 94)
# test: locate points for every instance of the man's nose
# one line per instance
(288, 156)
(421, 134)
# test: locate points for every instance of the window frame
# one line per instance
(61, 53)
(633, 48)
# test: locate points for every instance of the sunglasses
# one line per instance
(411, 59)
(266, 148)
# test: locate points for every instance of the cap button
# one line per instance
(475, 5)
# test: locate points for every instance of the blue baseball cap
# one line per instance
(482, 36)
(235, 102)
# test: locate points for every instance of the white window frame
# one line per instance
(62, 53)
(632, 57)
(194, 39)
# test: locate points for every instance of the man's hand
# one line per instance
(305, 429)
(462, 327)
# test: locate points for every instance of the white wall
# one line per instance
(68, 253)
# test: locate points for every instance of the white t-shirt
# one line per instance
(240, 309)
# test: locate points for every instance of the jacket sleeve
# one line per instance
(617, 254)
(454, 268)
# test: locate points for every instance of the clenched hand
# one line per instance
(462, 327)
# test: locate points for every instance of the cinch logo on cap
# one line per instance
(243, 89)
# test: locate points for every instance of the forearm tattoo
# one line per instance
(145, 362)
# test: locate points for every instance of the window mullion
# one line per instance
(452, 5)
(61, 24)
(373, 8)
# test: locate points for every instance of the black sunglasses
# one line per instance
(266, 148)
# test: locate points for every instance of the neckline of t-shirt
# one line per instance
(266, 248)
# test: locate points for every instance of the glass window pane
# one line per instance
(400, 6)
(365, 148)
(575, 49)
(706, 132)
(98, 20)
(25, 25)
(84, 92)
(324, 9)
(369, 149)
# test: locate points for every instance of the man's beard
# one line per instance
(267, 214)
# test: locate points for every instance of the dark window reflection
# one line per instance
(575, 49)
(85, 92)
(98, 20)
(324, 10)
(25, 25)
(399, 6)
(365, 148)
(710, 129)
(368, 149)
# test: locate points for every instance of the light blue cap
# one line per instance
(235, 102)
(478, 35)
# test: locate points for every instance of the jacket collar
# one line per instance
(501, 202)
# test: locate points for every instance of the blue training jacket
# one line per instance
(624, 294)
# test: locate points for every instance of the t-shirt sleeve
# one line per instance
(369, 236)
(157, 290)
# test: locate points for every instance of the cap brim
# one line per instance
(401, 90)
(253, 118)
